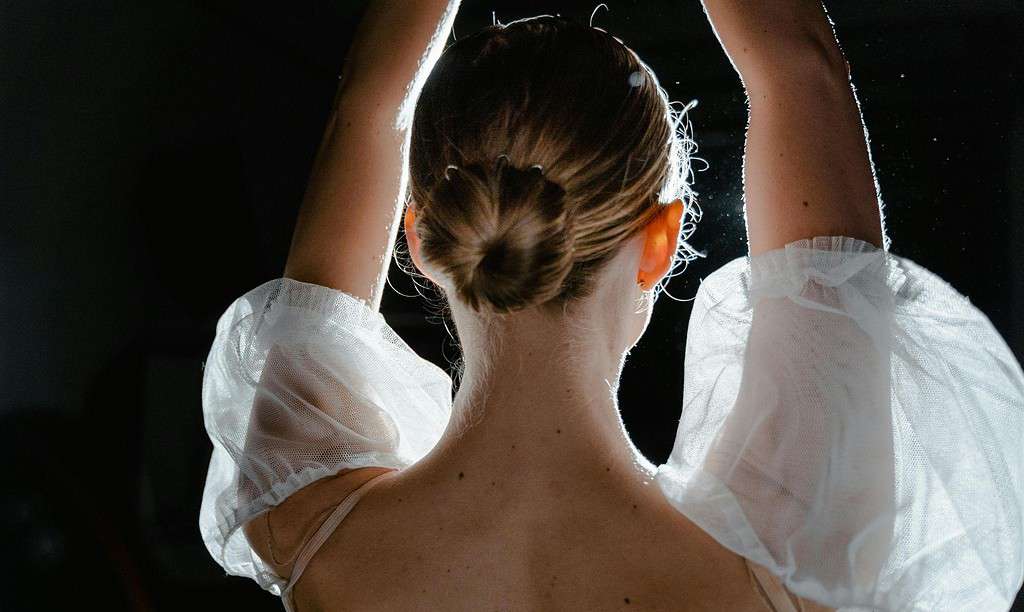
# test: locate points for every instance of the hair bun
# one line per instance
(501, 234)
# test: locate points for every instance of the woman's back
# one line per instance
(426, 539)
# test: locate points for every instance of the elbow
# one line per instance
(815, 56)
(827, 57)
(812, 59)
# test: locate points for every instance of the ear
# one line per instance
(412, 239)
(661, 240)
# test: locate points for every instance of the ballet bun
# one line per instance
(501, 234)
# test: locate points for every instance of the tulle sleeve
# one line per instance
(854, 424)
(302, 382)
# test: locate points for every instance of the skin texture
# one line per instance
(535, 498)
(807, 169)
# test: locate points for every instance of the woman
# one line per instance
(851, 425)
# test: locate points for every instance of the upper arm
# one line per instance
(350, 212)
(292, 389)
(807, 167)
(348, 223)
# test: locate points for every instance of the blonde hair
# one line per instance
(538, 147)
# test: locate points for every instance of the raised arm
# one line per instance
(806, 447)
(348, 221)
(807, 168)
(343, 239)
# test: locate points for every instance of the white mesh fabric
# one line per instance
(303, 381)
(854, 424)
(850, 422)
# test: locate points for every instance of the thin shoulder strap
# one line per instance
(771, 590)
(327, 528)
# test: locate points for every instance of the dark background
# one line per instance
(153, 157)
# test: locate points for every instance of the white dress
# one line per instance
(850, 421)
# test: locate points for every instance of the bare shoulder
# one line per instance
(470, 543)
(278, 535)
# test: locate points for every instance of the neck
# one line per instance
(538, 401)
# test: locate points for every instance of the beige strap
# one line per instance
(771, 590)
(324, 532)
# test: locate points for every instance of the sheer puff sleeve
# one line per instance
(854, 424)
(303, 382)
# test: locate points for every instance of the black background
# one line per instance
(153, 157)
